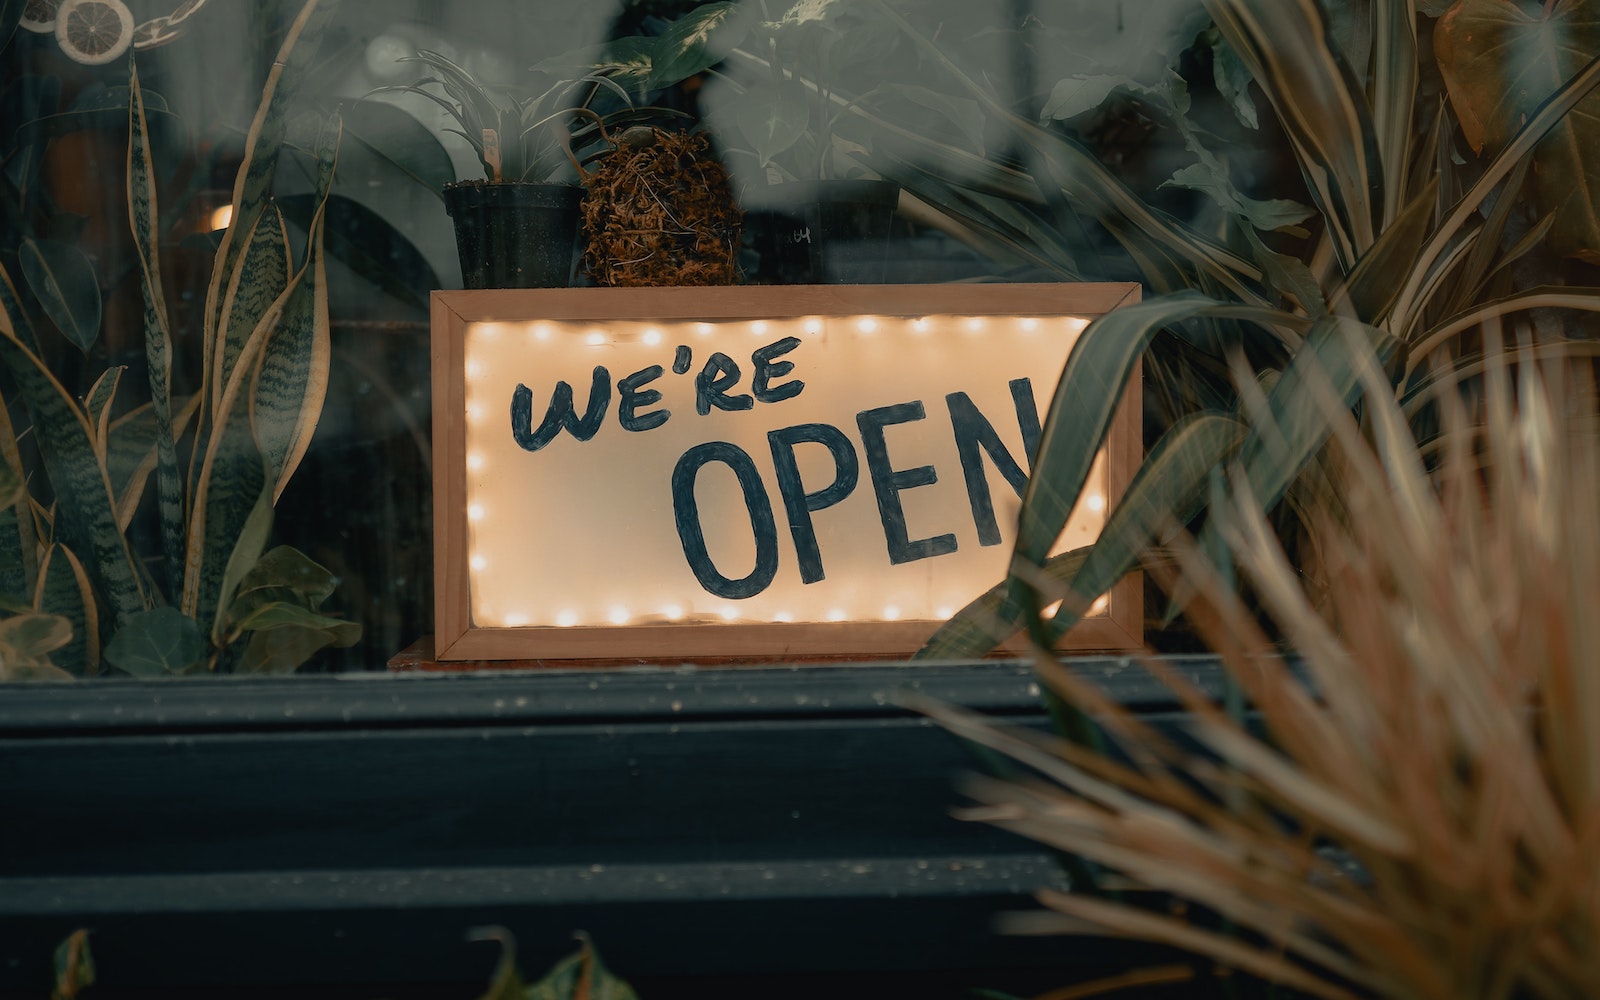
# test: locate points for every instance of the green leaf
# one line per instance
(1500, 62)
(290, 569)
(62, 279)
(965, 115)
(1075, 95)
(369, 245)
(1210, 178)
(95, 108)
(35, 634)
(1232, 78)
(280, 614)
(400, 140)
(157, 643)
(281, 647)
(773, 116)
(581, 976)
(1325, 369)
(74, 967)
(242, 559)
(1371, 288)
(1086, 398)
(696, 42)
(64, 590)
(1170, 484)
(1286, 45)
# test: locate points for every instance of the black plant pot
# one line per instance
(515, 235)
(821, 232)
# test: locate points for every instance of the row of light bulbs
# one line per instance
(652, 336)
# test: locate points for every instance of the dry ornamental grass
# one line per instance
(1422, 818)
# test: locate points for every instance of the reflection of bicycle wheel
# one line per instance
(39, 16)
(94, 32)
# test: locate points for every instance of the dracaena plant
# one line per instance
(526, 138)
(212, 595)
(1428, 218)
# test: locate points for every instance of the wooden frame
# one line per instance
(459, 637)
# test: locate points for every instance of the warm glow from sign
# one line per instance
(804, 469)
(221, 217)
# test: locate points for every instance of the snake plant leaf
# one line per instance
(229, 476)
(696, 42)
(143, 215)
(291, 382)
(246, 552)
(1170, 487)
(19, 556)
(157, 643)
(772, 116)
(87, 519)
(506, 984)
(64, 590)
(253, 184)
(1287, 47)
(62, 279)
(97, 404)
(399, 140)
(132, 453)
(1500, 61)
(74, 965)
(229, 487)
(260, 278)
(581, 976)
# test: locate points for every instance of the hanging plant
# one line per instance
(660, 211)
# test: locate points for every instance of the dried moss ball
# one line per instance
(660, 211)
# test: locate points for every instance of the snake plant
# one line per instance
(212, 595)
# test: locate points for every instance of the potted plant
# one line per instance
(96, 576)
(814, 212)
(517, 226)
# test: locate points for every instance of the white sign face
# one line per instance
(673, 478)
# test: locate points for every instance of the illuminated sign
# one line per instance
(750, 471)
